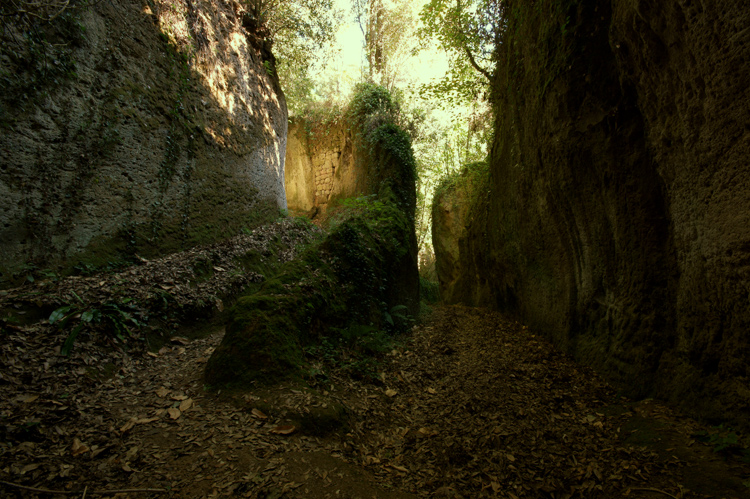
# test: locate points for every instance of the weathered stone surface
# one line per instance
(619, 217)
(300, 177)
(322, 166)
(451, 211)
(144, 150)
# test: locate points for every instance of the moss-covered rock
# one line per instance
(351, 277)
(366, 266)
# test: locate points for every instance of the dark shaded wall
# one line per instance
(618, 219)
(451, 210)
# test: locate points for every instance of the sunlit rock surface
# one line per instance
(171, 132)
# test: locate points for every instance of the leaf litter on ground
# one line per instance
(471, 405)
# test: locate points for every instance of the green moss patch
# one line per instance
(348, 279)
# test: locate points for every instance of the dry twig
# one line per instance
(84, 491)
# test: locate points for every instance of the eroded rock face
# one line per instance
(171, 133)
(322, 166)
(618, 222)
(451, 212)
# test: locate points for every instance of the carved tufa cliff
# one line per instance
(157, 126)
(324, 166)
(451, 209)
(618, 222)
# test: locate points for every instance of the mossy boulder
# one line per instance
(366, 266)
(351, 277)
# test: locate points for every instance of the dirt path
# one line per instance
(470, 405)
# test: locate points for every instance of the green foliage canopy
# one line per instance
(468, 31)
(300, 30)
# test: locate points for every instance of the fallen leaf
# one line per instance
(174, 412)
(399, 468)
(432, 391)
(132, 422)
(28, 467)
(179, 339)
(284, 430)
(179, 397)
(131, 453)
(27, 399)
(258, 414)
(186, 404)
(79, 448)
(391, 392)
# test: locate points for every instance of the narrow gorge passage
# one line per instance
(469, 405)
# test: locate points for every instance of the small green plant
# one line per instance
(429, 290)
(120, 319)
(723, 440)
(269, 68)
(356, 350)
(397, 318)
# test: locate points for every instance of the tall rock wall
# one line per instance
(451, 210)
(165, 128)
(619, 217)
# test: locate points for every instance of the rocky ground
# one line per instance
(467, 405)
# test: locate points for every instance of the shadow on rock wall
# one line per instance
(619, 217)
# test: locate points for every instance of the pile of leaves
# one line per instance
(155, 296)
